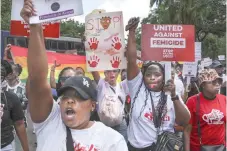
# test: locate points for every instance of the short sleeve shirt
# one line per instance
(141, 130)
(212, 120)
(51, 135)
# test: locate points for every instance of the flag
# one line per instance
(19, 55)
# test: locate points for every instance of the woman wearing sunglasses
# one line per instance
(208, 114)
(67, 126)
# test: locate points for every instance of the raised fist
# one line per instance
(132, 24)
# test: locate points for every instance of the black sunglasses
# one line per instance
(63, 79)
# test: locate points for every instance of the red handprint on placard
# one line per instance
(115, 62)
(116, 43)
(93, 43)
(93, 62)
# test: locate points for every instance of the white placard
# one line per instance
(221, 57)
(138, 53)
(167, 71)
(105, 44)
(206, 62)
(198, 49)
(190, 69)
(50, 10)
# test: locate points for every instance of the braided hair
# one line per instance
(162, 102)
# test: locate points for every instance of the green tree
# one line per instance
(71, 28)
(208, 16)
(5, 14)
(213, 46)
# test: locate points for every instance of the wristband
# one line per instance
(175, 98)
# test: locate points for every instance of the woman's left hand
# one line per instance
(170, 87)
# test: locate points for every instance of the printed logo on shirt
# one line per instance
(149, 116)
(214, 117)
(81, 147)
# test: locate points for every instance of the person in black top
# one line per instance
(12, 115)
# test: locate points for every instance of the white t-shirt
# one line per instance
(51, 135)
(141, 130)
(103, 88)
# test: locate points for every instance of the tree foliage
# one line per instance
(5, 14)
(213, 46)
(208, 16)
(71, 28)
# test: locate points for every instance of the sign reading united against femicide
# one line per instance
(19, 28)
(104, 42)
(51, 10)
(168, 42)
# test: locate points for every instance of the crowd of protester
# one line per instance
(77, 113)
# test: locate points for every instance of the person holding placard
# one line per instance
(152, 111)
(108, 88)
(65, 126)
(207, 127)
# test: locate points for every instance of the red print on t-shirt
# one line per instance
(79, 147)
(149, 116)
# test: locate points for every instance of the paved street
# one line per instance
(31, 138)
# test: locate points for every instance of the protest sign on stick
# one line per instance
(190, 69)
(198, 49)
(51, 10)
(221, 57)
(19, 28)
(168, 42)
(206, 62)
(167, 71)
(104, 42)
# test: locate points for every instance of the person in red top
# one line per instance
(212, 113)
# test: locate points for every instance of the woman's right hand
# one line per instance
(27, 10)
(132, 24)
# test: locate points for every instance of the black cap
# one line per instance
(216, 64)
(83, 86)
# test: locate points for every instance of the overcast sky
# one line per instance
(130, 8)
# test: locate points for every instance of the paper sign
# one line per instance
(190, 69)
(221, 57)
(139, 63)
(50, 10)
(206, 62)
(198, 49)
(168, 42)
(168, 68)
(104, 43)
(19, 28)
(138, 53)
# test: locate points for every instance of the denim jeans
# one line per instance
(122, 129)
